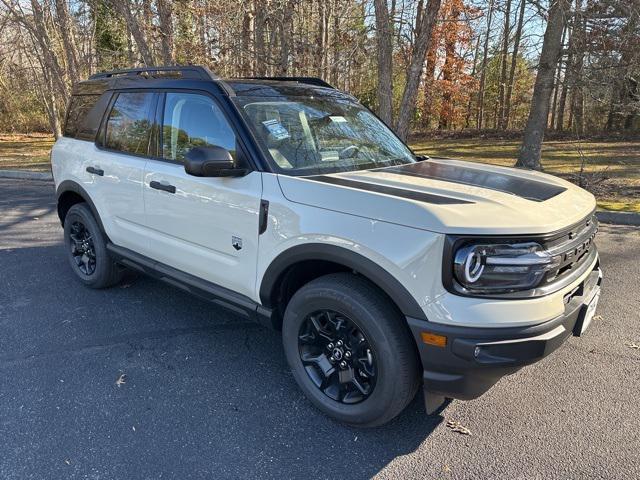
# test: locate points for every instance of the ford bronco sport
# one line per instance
(290, 203)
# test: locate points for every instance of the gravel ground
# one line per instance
(207, 395)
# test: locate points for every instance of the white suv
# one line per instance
(289, 202)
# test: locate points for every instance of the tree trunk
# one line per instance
(335, 46)
(259, 32)
(514, 64)
(286, 31)
(483, 70)
(556, 84)
(247, 31)
(165, 12)
(624, 85)
(450, 40)
(473, 74)
(531, 148)
(577, 95)
(385, 70)
(325, 41)
(319, 50)
(566, 83)
(503, 70)
(423, 39)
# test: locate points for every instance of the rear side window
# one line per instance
(80, 107)
(128, 126)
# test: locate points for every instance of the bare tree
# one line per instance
(530, 150)
(67, 31)
(483, 68)
(514, 63)
(385, 65)
(503, 66)
(577, 95)
(165, 8)
(427, 20)
(133, 24)
(557, 84)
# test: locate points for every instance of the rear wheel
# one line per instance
(86, 247)
(350, 351)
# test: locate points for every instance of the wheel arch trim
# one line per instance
(71, 186)
(347, 258)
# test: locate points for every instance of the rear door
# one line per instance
(207, 227)
(116, 168)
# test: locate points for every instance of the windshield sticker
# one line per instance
(276, 129)
(338, 119)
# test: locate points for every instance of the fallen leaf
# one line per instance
(134, 428)
(68, 462)
(458, 427)
(633, 345)
(122, 379)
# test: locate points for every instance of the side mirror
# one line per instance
(211, 162)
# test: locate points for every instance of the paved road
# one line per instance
(208, 395)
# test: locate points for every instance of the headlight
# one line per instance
(485, 268)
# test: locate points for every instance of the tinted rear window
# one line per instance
(79, 108)
(129, 124)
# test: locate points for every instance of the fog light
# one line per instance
(434, 339)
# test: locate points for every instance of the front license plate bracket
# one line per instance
(587, 312)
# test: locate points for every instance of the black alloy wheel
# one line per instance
(337, 356)
(350, 350)
(86, 247)
(82, 248)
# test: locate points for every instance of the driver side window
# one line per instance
(193, 120)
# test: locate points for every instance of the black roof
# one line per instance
(192, 76)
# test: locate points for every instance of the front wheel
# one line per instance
(350, 350)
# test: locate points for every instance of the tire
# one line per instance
(94, 268)
(392, 351)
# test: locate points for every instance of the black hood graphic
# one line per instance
(530, 189)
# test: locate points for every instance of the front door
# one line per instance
(207, 227)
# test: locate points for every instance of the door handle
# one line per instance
(163, 187)
(95, 171)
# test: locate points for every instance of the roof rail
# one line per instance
(185, 71)
(318, 82)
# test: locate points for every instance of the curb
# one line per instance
(604, 216)
(25, 175)
(619, 218)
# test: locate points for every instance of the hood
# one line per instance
(448, 196)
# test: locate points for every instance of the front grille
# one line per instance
(571, 248)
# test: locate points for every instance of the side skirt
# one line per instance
(189, 283)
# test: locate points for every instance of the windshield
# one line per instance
(318, 135)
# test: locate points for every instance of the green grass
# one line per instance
(611, 171)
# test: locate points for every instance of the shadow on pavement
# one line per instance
(205, 393)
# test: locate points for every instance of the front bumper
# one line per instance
(474, 359)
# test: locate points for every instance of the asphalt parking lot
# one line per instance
(208, 395)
